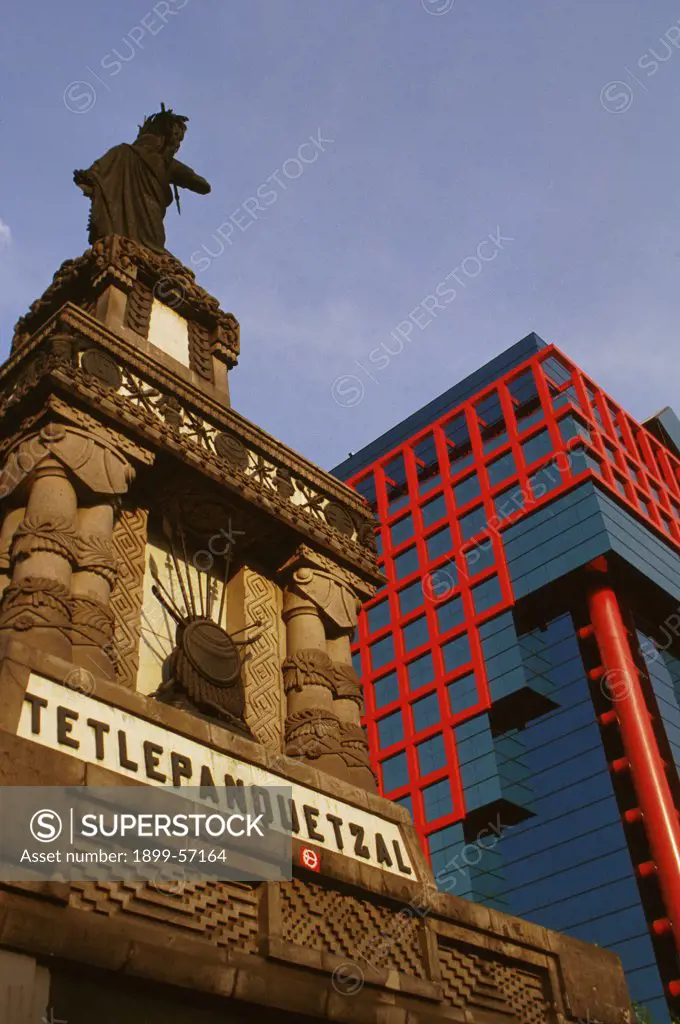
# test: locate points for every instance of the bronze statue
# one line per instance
(130, 186)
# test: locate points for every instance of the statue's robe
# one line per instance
(130, 191)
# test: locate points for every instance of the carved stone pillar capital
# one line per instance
(92, 459)
(336, 592)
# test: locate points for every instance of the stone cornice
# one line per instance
(126, 263)
(163, 405)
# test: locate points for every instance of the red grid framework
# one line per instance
(585, 434)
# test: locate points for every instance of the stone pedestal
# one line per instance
(118, 373)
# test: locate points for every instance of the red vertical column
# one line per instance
(649, 776)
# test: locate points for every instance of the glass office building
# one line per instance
(522, 662)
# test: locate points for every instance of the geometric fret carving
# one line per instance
(129, 545)
(224, 913)
(364, 932)
(262, 670)
(470, 982)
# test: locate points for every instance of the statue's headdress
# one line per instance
(162, 122)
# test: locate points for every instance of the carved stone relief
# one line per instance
(129, 546)
(262, 670)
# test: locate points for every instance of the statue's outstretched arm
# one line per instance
(186, 177)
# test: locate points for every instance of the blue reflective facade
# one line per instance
(543, 833)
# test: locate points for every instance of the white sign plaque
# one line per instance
(85, 728)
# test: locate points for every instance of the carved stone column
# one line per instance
(91, 586)
(325, 598)
(35, 603)
(311, 723)
(45, 602)
(349, 704)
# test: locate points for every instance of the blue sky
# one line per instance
(444, 123)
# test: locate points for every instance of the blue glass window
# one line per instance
(529, 417)
(420, 672)
(378, 616)
(445, 847)
(390, 729)
(397, 500)
(537, 446)
(415, 634)
(474, 522)
(356, 662)
(467, 489)
(379, 543)
(571, 427)
(523, 388)
(485, 595)
(382, 652)
(395, 471)
(546, 480)
(386, 690)
(494, 439)
(480, 557)
(445, 839)
(401, 531)
(450, 614)
(425, 450)
(460, 459)
(411, 597)
(439, 543)
(394, 772)
(431, 755)
(489, 411)
(501, 469)
(434, 510)
(427, 480)
(406, 563)
(439, 583)
(463, 693)
(366, 488)
(456, 430)
(508, 502)
(456, 652)
(426, 712)
(437, 800)
(407, 802)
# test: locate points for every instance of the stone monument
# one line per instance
(171, 572)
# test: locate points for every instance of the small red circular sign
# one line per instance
(310, 859)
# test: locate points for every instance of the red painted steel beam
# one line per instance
(649, 777)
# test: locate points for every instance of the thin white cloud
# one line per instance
(5, 235)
